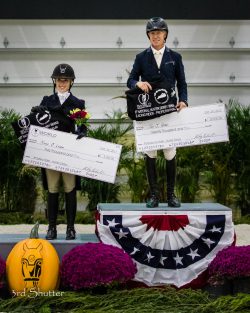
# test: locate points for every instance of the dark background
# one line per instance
(125, 9)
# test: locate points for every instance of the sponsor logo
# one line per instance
(161, 96)
(143, 98)
(37, 132)
(23, 122)
(63, 69)
(43, 118)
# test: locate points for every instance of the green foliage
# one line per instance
(10, 159)
(99, 192)
(238, 304)
(141, 300)
(82, 217)
(18, 182)
(245, 219)
(190, 163)
(27, 188)
(85, 217)
(134, 167)
(12, 218)
(239, 134)
(218, 174)
(228, 164)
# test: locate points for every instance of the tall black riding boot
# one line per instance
(52, 215)
(171, 173)
(153, 202)
(70, 200)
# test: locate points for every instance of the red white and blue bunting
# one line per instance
(172, 247)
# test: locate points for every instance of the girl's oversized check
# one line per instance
(191, 126)
(60, 151)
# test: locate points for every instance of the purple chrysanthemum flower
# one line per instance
(2, 269)
(230, 263)
(96, 264)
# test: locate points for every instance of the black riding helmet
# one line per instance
(156, 23)
(63, 71)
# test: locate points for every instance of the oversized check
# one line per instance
(60, 151)
(191, 126)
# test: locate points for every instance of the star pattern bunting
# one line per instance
(168, 259)
(168, 247)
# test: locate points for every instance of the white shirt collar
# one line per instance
(161, 51)
(63, 96)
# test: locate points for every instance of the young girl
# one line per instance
(62, 100)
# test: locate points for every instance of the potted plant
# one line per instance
(96, 266)
(230, 270)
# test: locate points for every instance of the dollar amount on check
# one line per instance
(191, 126)
(60, 151)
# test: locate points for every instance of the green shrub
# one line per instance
(138, 300)
(12, 218)
(245, 219)
(239, 133)
(18, 181)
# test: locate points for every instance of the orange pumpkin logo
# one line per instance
(32, 266)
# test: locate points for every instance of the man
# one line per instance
(62, 100)
(156, 63)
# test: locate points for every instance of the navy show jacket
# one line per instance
(172, 69)
(71, 103)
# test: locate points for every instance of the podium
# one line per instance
(62, 246)
(169, 245)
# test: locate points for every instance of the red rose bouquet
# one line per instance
(80, 117)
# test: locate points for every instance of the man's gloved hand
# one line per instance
(81, 132)
(39, 109)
